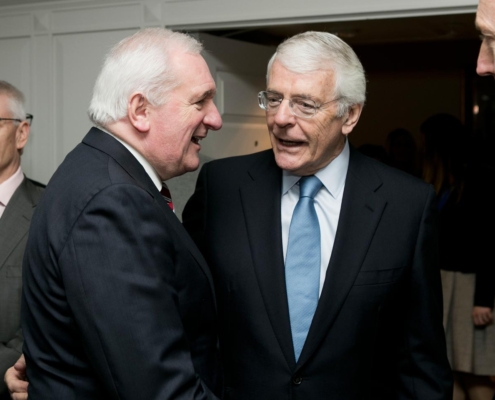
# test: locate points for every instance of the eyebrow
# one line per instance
(208, 94)
(301, 95)
(484, 35)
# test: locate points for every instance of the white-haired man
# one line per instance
(324, 260)
(18, 198)
(118, 302)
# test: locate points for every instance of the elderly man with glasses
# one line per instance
(18, 198)
(324, 260)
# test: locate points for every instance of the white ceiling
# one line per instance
(20, 2)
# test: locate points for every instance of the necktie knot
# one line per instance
(309, 186)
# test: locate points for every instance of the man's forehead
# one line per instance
(4, 103)
(193, 73)
(485, 16)
(309, 84)
(278, 68)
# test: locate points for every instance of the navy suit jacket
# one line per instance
(377, 332)
(118, 302)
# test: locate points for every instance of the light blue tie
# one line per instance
(302, 262)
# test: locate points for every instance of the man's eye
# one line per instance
(304, 104)
(274, 100)
(486, 39)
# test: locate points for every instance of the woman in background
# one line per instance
(401, 149)
(466, 223)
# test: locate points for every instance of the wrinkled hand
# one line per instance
(482, 316)
(15, 378)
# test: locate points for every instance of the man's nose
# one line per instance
(212, 119)
(485, 65)
(283, 115)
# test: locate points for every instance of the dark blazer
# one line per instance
(377, 331)
(118, 302)
(14, 228)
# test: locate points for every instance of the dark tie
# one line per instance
(167, 196)
(302, 262)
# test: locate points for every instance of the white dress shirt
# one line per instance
(8, 188)
(328, 202)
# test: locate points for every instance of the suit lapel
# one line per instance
(105, 143)
(15, 220)
(261, 204)
(360, 214)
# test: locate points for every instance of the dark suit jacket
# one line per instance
(377, 331)
(14, 228)
(118, 302)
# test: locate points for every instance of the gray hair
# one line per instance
(139, 63)
(16, 100)
(313, 51)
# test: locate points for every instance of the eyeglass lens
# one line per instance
(299, 106)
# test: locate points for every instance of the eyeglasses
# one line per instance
(29, 119)
(299, 106)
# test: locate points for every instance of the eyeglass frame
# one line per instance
(316, 106)
(29, 119)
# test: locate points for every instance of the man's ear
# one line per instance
(352, 118)
(22, 135)
(138, 112)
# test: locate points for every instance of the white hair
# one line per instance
(314, 51)
(139, 63)
(15, 100)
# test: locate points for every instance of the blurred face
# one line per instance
(178, 126)
(304, 146)
(485, 23)
(13, 137)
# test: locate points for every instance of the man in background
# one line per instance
(485, 23)
(324, 260)
(118, 303)
(18, 198)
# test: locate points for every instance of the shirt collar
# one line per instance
(332, 176)
(146, 165)
(8, 187)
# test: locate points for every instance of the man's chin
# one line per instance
(286, 162)
(192, 165)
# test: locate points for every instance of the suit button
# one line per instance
(296, 380)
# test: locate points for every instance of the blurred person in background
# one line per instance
(466, 219)
(374, 151)
(402, 151)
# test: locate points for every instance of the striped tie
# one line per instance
(167, 196)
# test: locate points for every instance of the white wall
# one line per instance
(52, 52)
